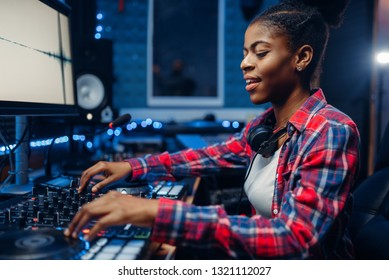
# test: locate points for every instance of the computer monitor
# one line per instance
(36, 71)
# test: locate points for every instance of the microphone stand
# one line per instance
(22, 184)
(47, 161)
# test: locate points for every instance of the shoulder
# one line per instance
(331, 128)
(329, 116)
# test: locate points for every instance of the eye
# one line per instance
(261, 54)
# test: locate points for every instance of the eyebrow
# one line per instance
(256, 43)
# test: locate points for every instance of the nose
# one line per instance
(246, 65)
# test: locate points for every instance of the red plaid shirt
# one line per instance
(311, 204)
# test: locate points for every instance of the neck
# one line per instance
(283, 112)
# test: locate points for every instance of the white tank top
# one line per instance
(259, 185)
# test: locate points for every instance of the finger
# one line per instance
(85, 215)
(84, 218)
(83, 211)
(106, 211)
(87, 174)
(97, 178)
(101, 224)
(74, 222)
(103, 183)
(86, 177)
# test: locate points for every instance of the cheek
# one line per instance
(276, 79)
(275, 69)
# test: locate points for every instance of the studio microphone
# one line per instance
(120, 121)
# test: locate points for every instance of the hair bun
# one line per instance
(331, 10)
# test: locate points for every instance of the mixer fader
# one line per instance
(31, 225)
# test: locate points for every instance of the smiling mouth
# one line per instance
(251, 84)
(251, 81)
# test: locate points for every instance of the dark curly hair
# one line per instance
(305, 22)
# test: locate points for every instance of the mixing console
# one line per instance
(31, 225)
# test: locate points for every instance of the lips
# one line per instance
(251, 83)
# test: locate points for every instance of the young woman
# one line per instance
(299, 184)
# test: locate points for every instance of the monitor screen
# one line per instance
(36, 71)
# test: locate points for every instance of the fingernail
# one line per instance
(74, 235)
(86, 238)
(66, 232)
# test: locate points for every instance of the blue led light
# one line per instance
(59, 140)
(3, 149)
(110, 132)
(79, 137)
(131, 126)
(99, 16)
(226, 123)
(47, 142)
(157, 125)
(89, 144)
(235, 124)
(97, 36)
(99, 28)
(117, 131)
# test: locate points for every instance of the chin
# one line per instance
(257, 101)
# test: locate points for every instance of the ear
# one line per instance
(303, 57)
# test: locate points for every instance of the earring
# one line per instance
(299, 68)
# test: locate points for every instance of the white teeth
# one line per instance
(249, 81)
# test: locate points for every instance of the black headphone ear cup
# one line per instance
(258, 135)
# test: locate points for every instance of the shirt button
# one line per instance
(275, 211)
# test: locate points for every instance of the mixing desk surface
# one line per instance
(31, 225)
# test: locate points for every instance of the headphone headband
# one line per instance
(263, 141)
(270, 146)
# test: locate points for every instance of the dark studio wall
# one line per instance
(347, 69)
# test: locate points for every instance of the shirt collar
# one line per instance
(310, 107)
(301, 117)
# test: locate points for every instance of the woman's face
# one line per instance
(268, 66)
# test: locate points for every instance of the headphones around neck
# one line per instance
(263, 141)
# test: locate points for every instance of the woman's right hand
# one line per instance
(109, 172)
